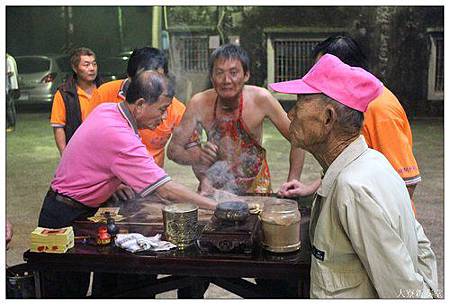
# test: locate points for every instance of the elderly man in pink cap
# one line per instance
(366, 242)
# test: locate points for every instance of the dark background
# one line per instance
(396, 39)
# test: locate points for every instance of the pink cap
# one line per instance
(351, 86)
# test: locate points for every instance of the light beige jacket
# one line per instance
(366, 240)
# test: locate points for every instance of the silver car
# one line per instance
(40, 76)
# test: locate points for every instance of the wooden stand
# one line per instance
(230, 237)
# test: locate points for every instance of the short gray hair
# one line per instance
(76, 54)
(350, 120)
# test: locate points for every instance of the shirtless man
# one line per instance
(230, 116)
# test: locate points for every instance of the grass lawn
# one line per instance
(32, 157)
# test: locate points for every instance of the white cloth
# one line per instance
(135, 242)
(366, 240)
(11, 73)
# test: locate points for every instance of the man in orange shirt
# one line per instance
(146, 58)
(75, 98)
(391, 135)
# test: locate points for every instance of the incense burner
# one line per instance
(233, 211)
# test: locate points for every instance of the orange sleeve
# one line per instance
(392, 137)
(58, 115)
(175, 112)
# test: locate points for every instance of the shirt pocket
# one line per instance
(337, 283)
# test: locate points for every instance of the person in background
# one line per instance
(75, 98)
(104, 153)
(231, 156)
(8, 233)
(12, 92)
(366, 242)
(146, 58)
(385, 128)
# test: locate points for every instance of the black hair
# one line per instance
(229, 51)
(149, 85)
(146, 58)
(343, 47)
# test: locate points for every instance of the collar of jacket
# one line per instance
(70, 85)
(348, 155)
(128, 116)
(123, 89)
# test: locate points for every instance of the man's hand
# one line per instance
(411, 189)
(205, 188)
(295, 188)
(208, 154)
(123, 192)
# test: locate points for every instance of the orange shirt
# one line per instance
(111, 92)
(87, 104)
(386, 129)
(155, 140)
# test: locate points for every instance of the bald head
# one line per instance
(149, 85)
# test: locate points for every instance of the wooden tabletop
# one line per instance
(191, 262)
(89, 256)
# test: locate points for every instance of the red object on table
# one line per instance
(103, 237)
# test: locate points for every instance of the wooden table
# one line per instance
(187, 269)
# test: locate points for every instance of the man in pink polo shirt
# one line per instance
(104, 153)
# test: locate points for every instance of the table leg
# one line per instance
(195, 290)
(303, 287)
(37, 284)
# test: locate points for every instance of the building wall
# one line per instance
(395, 39)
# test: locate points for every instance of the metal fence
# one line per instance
(194, 53)
(293, 57)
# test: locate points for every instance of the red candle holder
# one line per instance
(103, 237)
